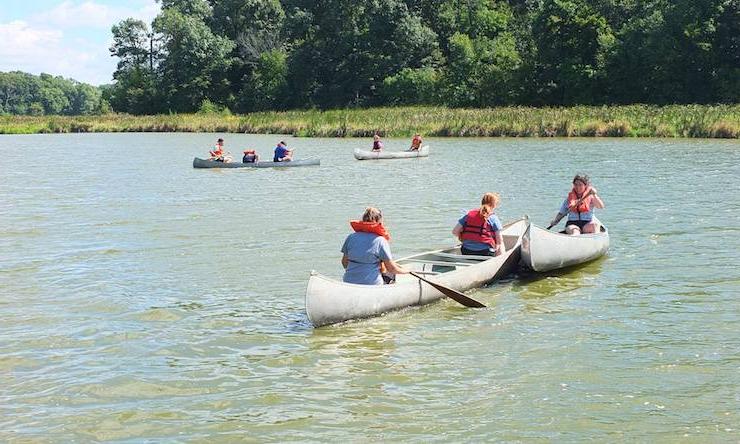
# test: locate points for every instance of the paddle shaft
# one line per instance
(578, 202)
(450, 293)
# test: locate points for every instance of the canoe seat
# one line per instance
(464, 257)
(445, 263)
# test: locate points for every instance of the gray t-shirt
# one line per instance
(365, 252)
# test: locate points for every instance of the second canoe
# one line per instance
(206, 163)
(544, 250)
(367, 154)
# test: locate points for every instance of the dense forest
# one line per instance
(26, 94)
(250, 55)
(254, 55)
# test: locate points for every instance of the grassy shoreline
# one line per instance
(700, 121)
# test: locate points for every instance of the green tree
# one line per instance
(573, 43)
(195, 61)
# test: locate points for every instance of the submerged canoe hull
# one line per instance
(205, 163)
(368, 155)
(330, 301)
(544, 250)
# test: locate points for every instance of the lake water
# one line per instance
(144, 300)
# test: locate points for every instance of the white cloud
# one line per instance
(89, 14)
(43, 43)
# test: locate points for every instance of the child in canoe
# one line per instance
(579, 206)
(480, 230)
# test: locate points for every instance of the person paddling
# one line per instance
(250, 156)
(480, 230)
(377, 143)
(282, 153)
(367, 253)
(416, 143)
(579, 206)
(218, 153)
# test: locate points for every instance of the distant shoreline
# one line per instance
(698, 121)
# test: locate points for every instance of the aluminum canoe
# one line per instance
(206, 163)
(329, 301)
(544, 250)
(368, 155)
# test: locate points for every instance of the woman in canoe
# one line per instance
(416, 143)
(480, 230)
(579, 206)
(377, 143)
(367, 253)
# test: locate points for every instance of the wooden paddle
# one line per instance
(578, 202)
(450, 293)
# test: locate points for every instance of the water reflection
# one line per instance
(533, 285)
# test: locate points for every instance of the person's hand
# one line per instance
(593, 191)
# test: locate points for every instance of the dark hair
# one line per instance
(583, 178)
(220, 140)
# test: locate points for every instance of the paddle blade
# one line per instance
(450, 293)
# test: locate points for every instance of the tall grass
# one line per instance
(718, 121)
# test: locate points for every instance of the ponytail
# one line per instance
(488, 203)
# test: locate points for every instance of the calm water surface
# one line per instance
(143, 300)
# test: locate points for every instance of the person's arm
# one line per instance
(598, 203)
(500, 247)
(394, 268)
(457, 232)
(345, 261)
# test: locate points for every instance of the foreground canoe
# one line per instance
(544, 250)
(367, 154)
(329, 301)
(206, 163)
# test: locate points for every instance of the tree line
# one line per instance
(253, 55)
(27, 94)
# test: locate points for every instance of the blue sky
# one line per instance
(65, 37)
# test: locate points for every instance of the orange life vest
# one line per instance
(584, 206)
(217, 151)
(370, 227)
(250, 152)
(478, 229)
(416, 142)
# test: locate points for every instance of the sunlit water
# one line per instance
(141, 299)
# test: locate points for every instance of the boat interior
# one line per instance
(444, 261)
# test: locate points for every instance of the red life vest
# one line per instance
(370, 227)
(584, 206)
(249, 152)
(478, 229)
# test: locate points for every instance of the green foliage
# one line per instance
(22, 93)
(412, 86)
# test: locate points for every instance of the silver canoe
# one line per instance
(544, 250)
(206, 163)
(366, 154)
(329, 301)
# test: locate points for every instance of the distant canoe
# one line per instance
(544, 250)
(367, 154)
(206, 163)
(329, 301)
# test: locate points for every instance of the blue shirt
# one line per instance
(496, 226)
(365, 251)
(572, 215)
(280, 152)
